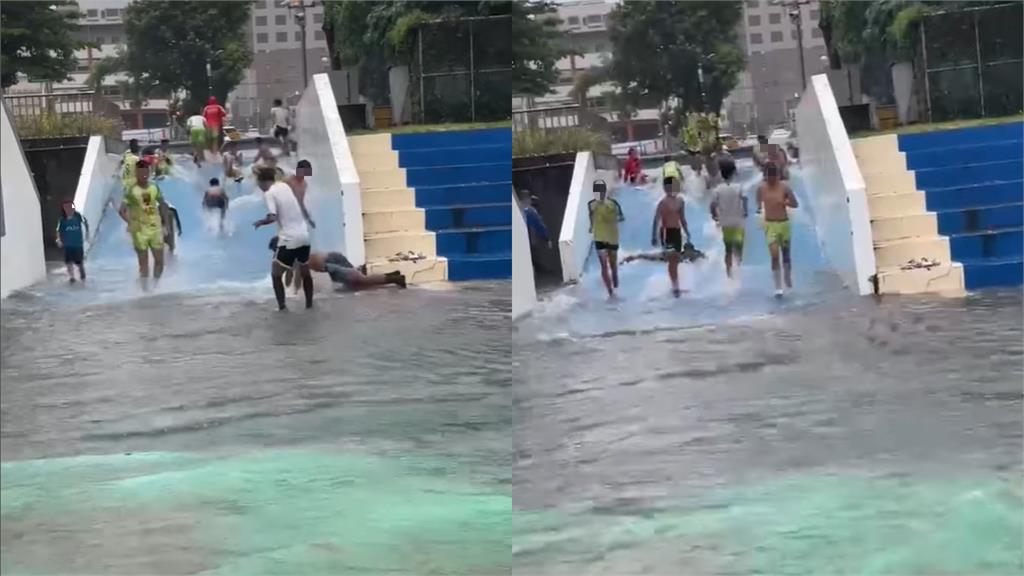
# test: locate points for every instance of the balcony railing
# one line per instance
(557, 118)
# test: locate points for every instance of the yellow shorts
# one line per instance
(777, 232)
(148, 239)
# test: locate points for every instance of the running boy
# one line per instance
(280, 115)
(605, 215)
(671, 170)
(216, 198)
(145, 212)
(729, 210)
(70, 237)
(197, 136)
(669, 226)
(775, 197)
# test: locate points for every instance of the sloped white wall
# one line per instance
(22, 261)
(524, 291)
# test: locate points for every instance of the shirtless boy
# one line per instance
(774, 198)
(669, 226)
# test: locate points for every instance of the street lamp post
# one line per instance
(794, 14)
(300, 18)
(700, 80)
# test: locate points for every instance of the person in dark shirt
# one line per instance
(72, 231)
(535, 228)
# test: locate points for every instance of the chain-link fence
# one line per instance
(463, 70)
(972, 61)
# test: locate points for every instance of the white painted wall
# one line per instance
(575, 239)
(22, 261)
(99, 179)
(524, 290)
(835, 186)
(334, 197)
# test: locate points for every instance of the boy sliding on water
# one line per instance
(216, 198)
(729, 210)
(669, 225)
(775, 197)
(605, 215)
(341, 271)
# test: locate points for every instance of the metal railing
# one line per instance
(972, 62)
(558, 118)
(61, 103)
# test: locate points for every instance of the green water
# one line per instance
(276, 512)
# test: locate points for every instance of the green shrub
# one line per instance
(58, 125)
(543, 142)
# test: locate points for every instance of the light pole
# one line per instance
(700, 79)
(209, 71)
(794, 14)
(300, 18)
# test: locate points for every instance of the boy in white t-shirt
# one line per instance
(729, 210)
(281, 124)
(197, 135)
(293, 223)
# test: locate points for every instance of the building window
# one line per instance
(755, 38)
(815, 32)
(573, 20)
(261, 4)
(298, 36)
(261, 38)
(776, 36)
(112, 12)
(318, 18)
(815, 14)
(100, 40)
(318, 35)
(593, 20)
(752, 3)
(92, 13)
(775, 18)
(792, 34)
(261, 20)
(280, 20)
(281, 37)
(754, 20)
(115, 39)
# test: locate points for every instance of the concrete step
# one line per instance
(909, 226)
(946, 279)
(890, 205)
(388, 199)
(469, 215)
(970, 154)
(993, 272)
(889, 182)
(386, 245)
(978, 219)
(366, 144)
(377, 160)
(419, 272)
(440, 196)
(980, 195)
(480, 267)
(1005, 243)
(480, 240)
(381, 221)
(970, 174)
(377, 179)
(463, 174)
(448, 156)
(898, 252)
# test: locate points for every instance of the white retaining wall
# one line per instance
(334, 197)
(835, 186)
(575, 239)
(524, 290)
(98, 181)
(22, 261)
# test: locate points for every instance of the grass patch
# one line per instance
(424, 128)
(543, 142)
(937, 126)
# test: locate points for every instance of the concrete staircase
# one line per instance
(901, 225)
(973, 179)
(461, 181)
(391, 221)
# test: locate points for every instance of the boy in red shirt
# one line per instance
(631, 172)
(214, 114)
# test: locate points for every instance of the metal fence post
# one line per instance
(927, 85)
(977, 52)
(423, 102)
(472, 77)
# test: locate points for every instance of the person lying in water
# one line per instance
(688, 254)
(341, 271)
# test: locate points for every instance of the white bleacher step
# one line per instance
(898, 252)
(889, 205)
(945, 279)
(388, 199)
(923, 224)
(396, 220)
(431, 269)
(385, 245)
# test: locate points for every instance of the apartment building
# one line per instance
(770, 86)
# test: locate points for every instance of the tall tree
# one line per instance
(378, 34)
(37, 40)
(659, 47)
(171, 43)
